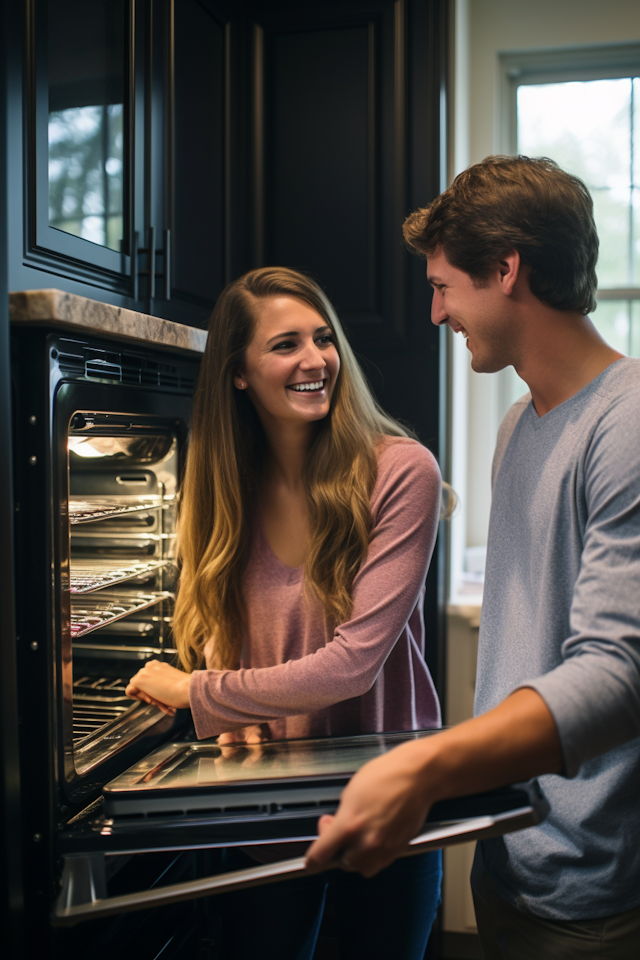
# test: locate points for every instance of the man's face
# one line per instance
(482, 314)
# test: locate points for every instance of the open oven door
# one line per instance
(195, 795)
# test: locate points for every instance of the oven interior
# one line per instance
(118, 577)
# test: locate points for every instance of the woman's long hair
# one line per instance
(224, 465)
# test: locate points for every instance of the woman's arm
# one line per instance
(405, 507)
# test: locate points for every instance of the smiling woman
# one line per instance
(307, 524)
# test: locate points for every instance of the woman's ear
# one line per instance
(239, 382)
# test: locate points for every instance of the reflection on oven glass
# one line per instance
(202, 764)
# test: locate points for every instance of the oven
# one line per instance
(100, 431)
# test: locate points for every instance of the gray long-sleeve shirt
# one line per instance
(561, 614)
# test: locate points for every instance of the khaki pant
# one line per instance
(510, 934)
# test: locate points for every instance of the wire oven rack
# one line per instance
(90, 613)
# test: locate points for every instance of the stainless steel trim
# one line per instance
(82, 880)
(117, 734)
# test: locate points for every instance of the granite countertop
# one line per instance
(71, 312)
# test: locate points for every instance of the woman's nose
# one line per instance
(312, 358)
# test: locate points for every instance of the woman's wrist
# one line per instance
(185, 687)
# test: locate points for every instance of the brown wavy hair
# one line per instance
(528, 204)
(224, 466)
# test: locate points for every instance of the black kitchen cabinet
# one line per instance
(117, 119)
(162, 147)
(214, 136)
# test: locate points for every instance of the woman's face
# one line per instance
(291, 364)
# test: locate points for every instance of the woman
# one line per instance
(307, 524)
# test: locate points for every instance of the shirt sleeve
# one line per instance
(405, 509)
(594, 694)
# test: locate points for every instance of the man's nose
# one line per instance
(438, 313)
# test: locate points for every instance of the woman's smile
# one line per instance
(308, 388)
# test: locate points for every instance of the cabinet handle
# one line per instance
(167, 264)
(151, 262)
(150, 252)
(134, 267)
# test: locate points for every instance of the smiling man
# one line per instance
(511, 250)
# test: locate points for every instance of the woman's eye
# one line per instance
(327, 338)
(285, 345)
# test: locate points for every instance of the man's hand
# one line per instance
(382, 808)
(160, 684)
(386, 803)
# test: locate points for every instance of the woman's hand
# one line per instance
(244, 744)
(161, 684)
(254, 733)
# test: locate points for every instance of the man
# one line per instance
(511, 249)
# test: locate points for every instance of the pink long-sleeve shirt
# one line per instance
(369, 674)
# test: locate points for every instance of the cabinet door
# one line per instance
(196, 211)
(81, 108)
(348, 137)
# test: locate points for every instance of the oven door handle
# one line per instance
(83, 895)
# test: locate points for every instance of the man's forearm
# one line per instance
(387, 801)
(515, 741)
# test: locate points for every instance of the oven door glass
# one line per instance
(117, 579)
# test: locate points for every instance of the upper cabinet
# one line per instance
(80, 138)
(166, 146)
(125, 152)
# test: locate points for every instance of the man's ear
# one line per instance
(509, 271)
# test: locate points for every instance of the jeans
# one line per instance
(387, 916)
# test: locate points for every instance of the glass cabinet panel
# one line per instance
(86, 86)
(83, 85)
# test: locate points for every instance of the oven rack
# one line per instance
(87, 509)
(89, 718)
(90, 613)
(97, 701)
(87, 576)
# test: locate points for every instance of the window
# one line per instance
(581, 108)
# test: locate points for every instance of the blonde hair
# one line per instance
(224, 463)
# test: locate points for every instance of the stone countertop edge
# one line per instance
(72, 312)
